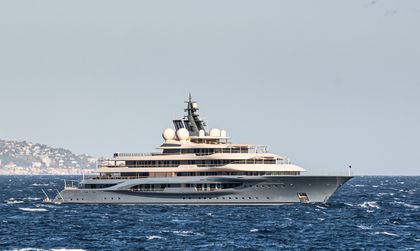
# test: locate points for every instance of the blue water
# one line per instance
(367, 213)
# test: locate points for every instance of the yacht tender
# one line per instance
(196, 166)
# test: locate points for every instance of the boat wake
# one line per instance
(39, 185)
(27, 209)
(370, 204)
(13, 201)
(262, 230)
(32, 198)
(387, 233)
(405, 204)
(154, 237)
(54, 249)
(185, 233)
(364, 227)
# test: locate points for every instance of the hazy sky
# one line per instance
(326, 83)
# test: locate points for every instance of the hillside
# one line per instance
(33, 158)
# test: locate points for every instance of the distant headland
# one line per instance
(26, 158)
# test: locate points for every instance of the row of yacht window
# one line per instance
(175, 163)
(133, 175)
(198, 187)
(223, 198)
(206, 151)
(189, 198)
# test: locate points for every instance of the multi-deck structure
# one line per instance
(200, 167)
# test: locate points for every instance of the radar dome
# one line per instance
(223, 133)
(201, 133)
(182, 134)
(214, 132)
(168, 134)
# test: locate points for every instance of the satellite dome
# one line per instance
(201, 133)
(223, 133)
(168, 134)
(214, 132)
(182, 134)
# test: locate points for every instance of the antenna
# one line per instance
(192, 121)
(189, 99)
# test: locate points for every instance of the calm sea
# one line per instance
(368, 213)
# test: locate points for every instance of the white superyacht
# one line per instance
(196, 166)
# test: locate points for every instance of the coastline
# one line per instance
(58, 172)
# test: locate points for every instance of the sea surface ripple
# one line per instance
(378, 213)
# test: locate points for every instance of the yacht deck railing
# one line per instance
(113, 164)
(203, 151)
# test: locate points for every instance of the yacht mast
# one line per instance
(191, 121)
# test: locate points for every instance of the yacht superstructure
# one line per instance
(196, 166)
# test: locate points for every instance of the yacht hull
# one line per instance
(261, 190)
